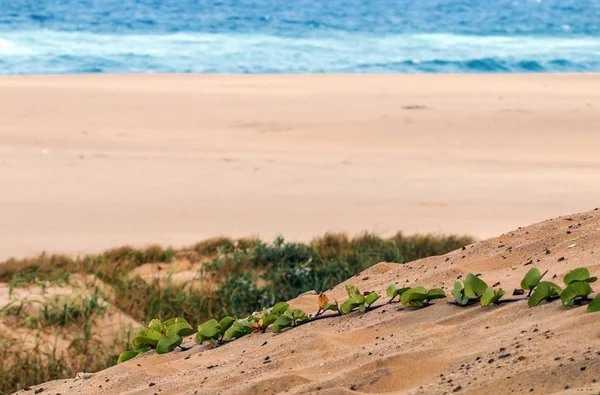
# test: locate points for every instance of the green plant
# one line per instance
(532, 279)
(239, 328)
(290, 318)
(474, 286)
(490, 295)
(269, 316)
(162, 336)
(594, 305)
(419, 297)
(357, 300)
(459, 294)
(393, 291)
(579, 275)
(578, 286)
(577, 289)
(476, 289)
(544, 291)
(213, 330)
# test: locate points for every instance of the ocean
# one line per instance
(299, 36)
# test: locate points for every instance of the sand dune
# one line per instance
(90, 162)
(440, 349)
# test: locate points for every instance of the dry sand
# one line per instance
(91, 162)
(440, 349)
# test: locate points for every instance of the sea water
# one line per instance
(298, 36)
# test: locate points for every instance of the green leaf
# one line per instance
(281, 323)
(155, 325)
(579, 274)
(239, 329)
(352, 291)
(574, 290)
(269, 319)
(147, 337)
(210, 329)
(435, 293)
(280, 308)
(371, 298)
(491, 296)
(474, 286)
(332, 307)
(352, 303)
(414, 297)
(225, 324)
(532, 279)
(168, 343)
(362, 308)
(543, 291)
(391, 290)
(459, 295)
(297, 314)
(127, 355)
(394, 291)
(180, 329)
(174, 321)
(592, 279)
(594, 305)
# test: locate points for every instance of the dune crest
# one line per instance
(439, 349)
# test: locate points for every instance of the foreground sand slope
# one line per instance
(89, 162)
(436, 350)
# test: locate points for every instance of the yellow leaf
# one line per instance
(323, 300)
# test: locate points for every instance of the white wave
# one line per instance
(199, 52)
(5, 43)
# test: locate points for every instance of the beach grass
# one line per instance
(230, 277)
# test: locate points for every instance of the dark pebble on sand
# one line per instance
(151, 384)
(562, 258)
(491, 360)
(504, 355)
(38, 391)
(457, 389)
(582, 368)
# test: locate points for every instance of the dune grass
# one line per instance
(236, 277)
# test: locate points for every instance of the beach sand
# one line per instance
(441, 349)
(91, 162)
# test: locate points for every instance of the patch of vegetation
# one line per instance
(237, 277)
(577, 289)
(475, 289)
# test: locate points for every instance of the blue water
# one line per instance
(298, 36)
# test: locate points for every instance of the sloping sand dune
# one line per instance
(440, 349)
(90, 162)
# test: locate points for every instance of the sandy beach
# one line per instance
(91, 162)
(442, 349)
